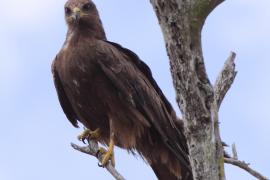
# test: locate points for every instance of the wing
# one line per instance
(134, 82)
(148, 74)
(63, 99)
(145, 70)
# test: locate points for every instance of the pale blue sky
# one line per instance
(34, 133)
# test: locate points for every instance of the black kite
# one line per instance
(112, 92)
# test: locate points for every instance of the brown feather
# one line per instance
(98, 80)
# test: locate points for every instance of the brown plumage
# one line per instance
(106, 86)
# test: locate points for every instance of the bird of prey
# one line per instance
(112, 93)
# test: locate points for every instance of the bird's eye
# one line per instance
(67, 11)
(87, 7)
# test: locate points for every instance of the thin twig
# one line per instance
(93, 149)
(235, 156)
(242, 164)
(225, 79)
(245, 166)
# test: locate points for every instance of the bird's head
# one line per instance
(83, 15)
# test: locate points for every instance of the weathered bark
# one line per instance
(181, 22)
(225, 79)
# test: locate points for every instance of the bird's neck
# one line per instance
(77, 33)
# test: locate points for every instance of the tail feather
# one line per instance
(163, 173)
(172, 162)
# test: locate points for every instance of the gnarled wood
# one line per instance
(225, 79)
(181, 22)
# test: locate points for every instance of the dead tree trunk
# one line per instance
(181, 22)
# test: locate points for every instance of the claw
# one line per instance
(88, 134)
(84, 135)
(100, 165)
(107, 155)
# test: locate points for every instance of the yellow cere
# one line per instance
(78, 10)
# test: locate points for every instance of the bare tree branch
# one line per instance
(242, 164)
(235, 156)
(93, 150)
(245, 166)
(225, 79)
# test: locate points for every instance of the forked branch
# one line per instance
(243, 165)
(93, 150)
(225, 79)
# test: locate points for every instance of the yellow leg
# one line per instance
(88, 134)
(108, 155)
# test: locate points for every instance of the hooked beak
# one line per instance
(76, 14)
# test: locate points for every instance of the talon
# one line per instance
(99, 164)
(95, 134)
(84, 135)
(107, 155)
(88, 134)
